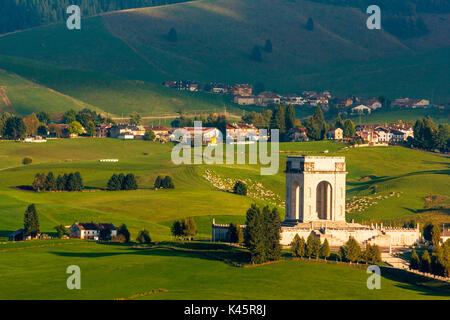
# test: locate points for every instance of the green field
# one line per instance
(392, 169)
(190, 272)
(215, 38)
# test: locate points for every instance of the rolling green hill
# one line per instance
(104, 92)
(215, 38)
(136, 271)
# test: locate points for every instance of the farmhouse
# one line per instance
(187, 135)
(91, 230)
(239, 132)
(373, 104)
(315, 205)
(242, 90)
(266, 98)
(127, 132)
(244, 100)
(336, 134)
(361, 109)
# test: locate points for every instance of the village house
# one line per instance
(342, 103)
(411, 103)
(240, 132)
(297, 135)
(103, 130)
(361, 109)
(244, 100)
(91, 230)
(373, 104)
(267, 98)
(242, 90)
(162, 133)
(219, 88)
(336, 134)
(182, 85)
(293, 99)
(127, 132)
(210, 135)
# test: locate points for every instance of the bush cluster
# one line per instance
(122, 182)
(65, 182)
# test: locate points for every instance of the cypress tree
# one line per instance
(295, 246)
(254, 238)
(325, 250)
(273, 226)
(235, 233)
(50, 183)
(290, 117)
(310, 246)
(414, 262)
(31, 221)
(425, 262)
(302, 247)
(158, 182)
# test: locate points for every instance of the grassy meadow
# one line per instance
(132, 272)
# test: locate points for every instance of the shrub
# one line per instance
(123, 230)
(240, 188)
(27, 160)
(235, 233)
(143, 237)
(60, 231)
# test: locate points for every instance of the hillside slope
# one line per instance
(215, 38)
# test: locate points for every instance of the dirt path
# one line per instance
(4, 96)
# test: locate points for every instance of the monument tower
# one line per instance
(315, 189)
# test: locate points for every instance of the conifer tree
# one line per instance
(425, 262)
(235, 233)
(158, 182)
(295, 245)
(144, 237)
(123, 230)
(414, 262)
(50, 183)
(31, 221)
(310, 246)
(325, 250)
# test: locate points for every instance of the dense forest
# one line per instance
(399, 17)
(22, 14)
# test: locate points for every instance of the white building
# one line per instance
(91, 230)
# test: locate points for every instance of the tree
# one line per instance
(372, 254)
(256, 54)
(432, 233)
(158, 182)
(123, 230)
(349, 128)
(167, 183)
(31, 221)
(425, 262)
(39, 182)
(316, 125)
(325, 250)
(60, 183)
(44, 117)
(351, 251)
(309, 24)
(272, 226)
(50, 183)
(254, 236)
(235, 233)
(414, 262)
(42, 131)
(310, 246)
(172, 36)
(268, 46)
(189, 228)
(129, 182)
(70, 116)
(290, 117)
(90, 129)
(135, 119)
(14, 128)
(149, 135)
(75, 128)
(27, 160)
(113, 183)
(177, 229)
(31, 123)
(144, 237)
(60, 231)
(339, 123)
(240, 188)
(105, 234)
(295, 246)
(278, 120)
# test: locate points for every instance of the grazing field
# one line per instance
(193, 271)
(215, 38)
(154, 273)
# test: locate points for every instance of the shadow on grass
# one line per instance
(416, 282)
(359, 186)
(429, 210)
(218, 252)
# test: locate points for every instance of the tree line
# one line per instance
(438, 263)
(430, 137)
(122, 182)
(65, 182)
(22, 14)
(164, 183)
